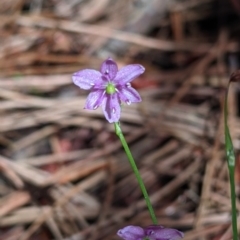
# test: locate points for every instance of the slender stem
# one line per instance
(231, 167)
(136, 172)
(233, 201)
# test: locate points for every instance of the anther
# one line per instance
(128, 102)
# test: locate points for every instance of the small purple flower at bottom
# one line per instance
(109, 87)
(153, 232)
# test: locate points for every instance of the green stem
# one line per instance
(136, 172)
(233, 201)
(231, 167)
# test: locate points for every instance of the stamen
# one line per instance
(92, 84)
(106, 71)
(128, 102)
(113, 110)
(128, 84)
(95, 107)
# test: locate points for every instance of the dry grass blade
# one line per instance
(9, 202)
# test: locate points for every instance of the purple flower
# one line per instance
(153, 232)
(109, 87)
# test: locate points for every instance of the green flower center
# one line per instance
(110, 89)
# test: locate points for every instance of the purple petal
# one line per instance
(109, 69)
(163, 233)
(128, 73)
(151, 228)
(131, 233)
(94, 99)
(111, 107)
(128, 95)
(87, 78)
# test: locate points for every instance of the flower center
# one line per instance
(110, 89)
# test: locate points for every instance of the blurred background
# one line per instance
(63, 173)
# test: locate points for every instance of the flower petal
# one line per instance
(94, 99)
(131, 233)
(152, 228)
(128, 94)
(163, 233)
(87, 78)
(128, 73)
(109, 69)
(111, 107)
